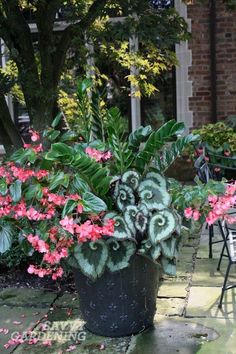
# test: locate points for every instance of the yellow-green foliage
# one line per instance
(11, 71)
(68, 105)
(217, 135)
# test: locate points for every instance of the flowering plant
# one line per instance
(92, 204)
(217, 145)
(208, 202)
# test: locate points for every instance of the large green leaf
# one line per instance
(93, 204)
(119, 254)
(33, 191)
(16, 191)
(69, 207)
(161, 226)
(172, 151)
(155, 142)
(92, 258)
(59, 179)
(6, 237)
(59, 150)
(79, 185)
(3, 186)
(57, 120)
(22, 156)
(96, 176)
(139, 136)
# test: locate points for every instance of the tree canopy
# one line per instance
(39, 56)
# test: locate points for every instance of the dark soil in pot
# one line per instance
(122, 303)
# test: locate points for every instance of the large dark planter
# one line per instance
(122, 303)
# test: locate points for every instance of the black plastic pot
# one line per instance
(122, 303)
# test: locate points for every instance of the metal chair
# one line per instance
(228, 251)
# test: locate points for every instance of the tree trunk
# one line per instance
(5, 140)
(43, 114)
(10, 136)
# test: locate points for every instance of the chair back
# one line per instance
(229, 237)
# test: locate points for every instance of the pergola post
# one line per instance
(134, 88)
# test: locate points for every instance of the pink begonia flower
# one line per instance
(68, 224)
(212, 199)
(80, 208)
(58, 274)
(188, 212)
(196, 215)
(99, 156)
(31, 269)
(34, 135)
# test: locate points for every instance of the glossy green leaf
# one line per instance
(34, 191)
(69, 207)
(79, 185)
(6, 237)
(59, 150)
(155, 142)
(16, 191)
(57, 120)
(139, 136)
(3, 186)
(93, 204)
(59, 179)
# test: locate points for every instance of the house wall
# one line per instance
(200, 70)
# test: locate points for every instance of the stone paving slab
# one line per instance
(26, 297)
(203, 251)
(206, 273)
(186, 255)
(67, 300)
(203, 302)
(172, 289)
(187, 336)
(18, 319)
(176, 335)
(170, 307)
(66, 331)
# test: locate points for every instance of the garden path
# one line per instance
(187, 320)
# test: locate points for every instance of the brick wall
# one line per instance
(199, 72)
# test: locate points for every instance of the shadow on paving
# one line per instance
(187, 321)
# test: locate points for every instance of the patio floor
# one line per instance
(187, 319)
